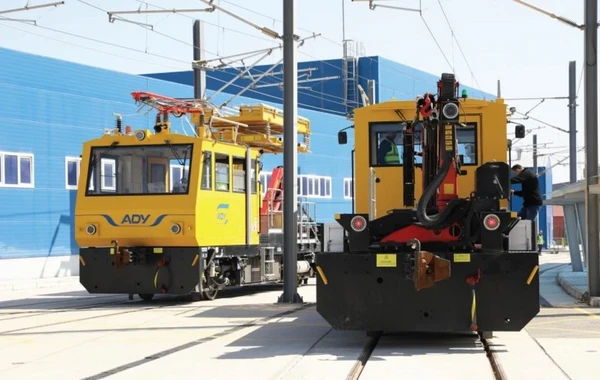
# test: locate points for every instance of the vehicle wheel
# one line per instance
(209, 294)
(146, 296)
(206, 291)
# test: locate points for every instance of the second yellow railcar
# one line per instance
(160, 212)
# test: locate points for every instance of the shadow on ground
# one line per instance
(307, 333)
(81, 298)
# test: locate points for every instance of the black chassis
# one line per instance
(354, 293)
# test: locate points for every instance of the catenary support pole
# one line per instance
(199, 74)
(535, 224)
(290, 158)
(572, 123)
(591, 145)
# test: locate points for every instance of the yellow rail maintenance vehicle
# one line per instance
(453, 262)
(160, 212)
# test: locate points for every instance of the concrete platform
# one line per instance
(576, 284)
(38, 283)
(69, 334)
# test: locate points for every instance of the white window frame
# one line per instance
(350, 184)
(264, 176)
(172, 178)
(112, 162)
(30, 156)
(77, 160)
(316, 182)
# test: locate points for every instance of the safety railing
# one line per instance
(307, 221)
(306, 217)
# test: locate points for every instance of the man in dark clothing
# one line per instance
(530, 192)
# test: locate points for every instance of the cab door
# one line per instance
(385, 173)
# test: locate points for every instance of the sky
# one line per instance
(501, 40)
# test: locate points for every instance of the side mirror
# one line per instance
(509, 144)
(342, 138)
(519, 131)
(461, 158)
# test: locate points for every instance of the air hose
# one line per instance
(439, 219)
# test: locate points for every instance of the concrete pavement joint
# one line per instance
(80, 319)
(548, 355)
(194, 343)
(290, 367)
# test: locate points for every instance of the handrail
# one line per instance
(306, 216)
(372, 194)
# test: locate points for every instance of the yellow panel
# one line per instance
(462, 258)
(448, 188)
(386, 260)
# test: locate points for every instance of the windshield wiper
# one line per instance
(177, 157)
(96, 159)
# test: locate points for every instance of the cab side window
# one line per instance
(239, 174)
(467, 143)
(386, 144)
(222, 177)
(206, 182)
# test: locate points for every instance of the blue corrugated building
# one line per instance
(50, 107)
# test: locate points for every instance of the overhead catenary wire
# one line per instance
(310, 91)
(153, 30)
(28, 7)
(274, 47)
(276, 99)
(322, 37)
(459, 47)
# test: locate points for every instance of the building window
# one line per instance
(265, 177)
(348, 188)
(16, 170)
(72, 170)
(313, 186)
(108, 174)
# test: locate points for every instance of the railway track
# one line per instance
(494, 370)
(494, 365)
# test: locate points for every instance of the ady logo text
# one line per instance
(135, 219)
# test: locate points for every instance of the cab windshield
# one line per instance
(141, 169)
